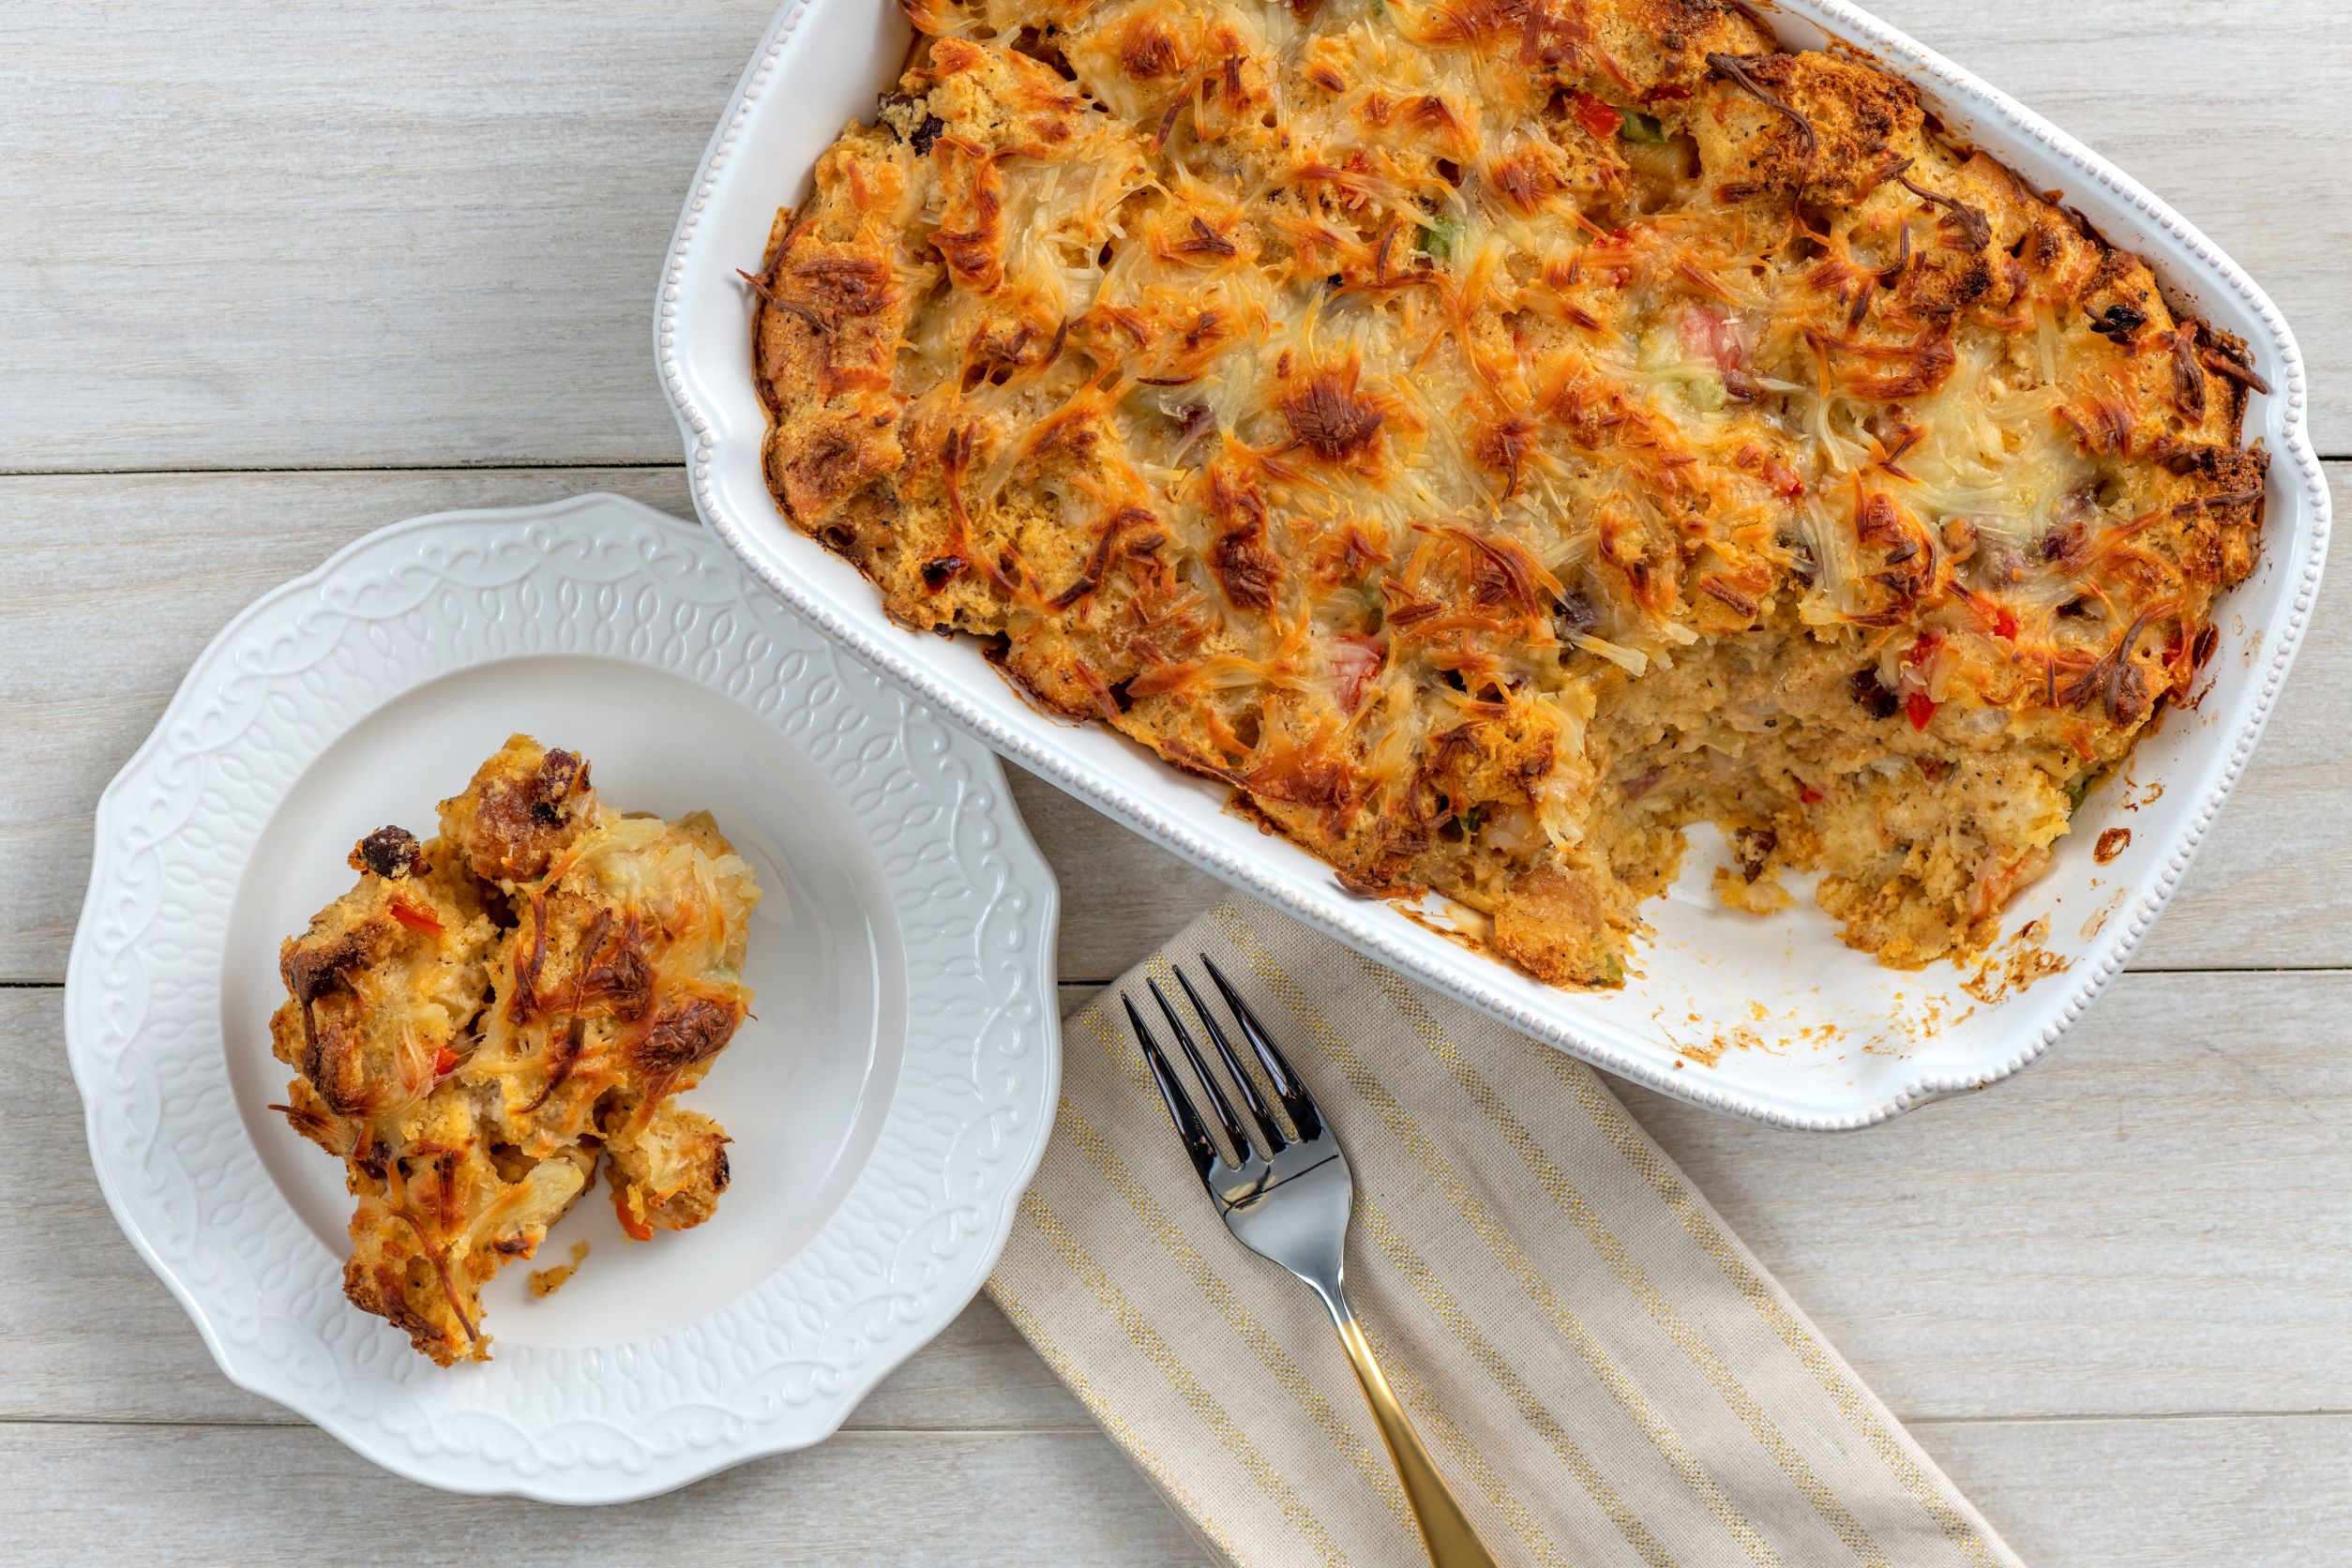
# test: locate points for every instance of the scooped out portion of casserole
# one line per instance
(488, 1015)
(1494, 436)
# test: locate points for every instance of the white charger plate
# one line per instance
(889, 1100)
(1772, 1019)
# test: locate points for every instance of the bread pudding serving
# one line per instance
(490, 1014)
(1493, 436)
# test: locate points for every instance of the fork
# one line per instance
(1290, 1203)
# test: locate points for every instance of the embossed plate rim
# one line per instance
(555, 1447)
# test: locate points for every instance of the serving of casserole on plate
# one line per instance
(1493, 444)
(804, 1047)
(491, 1018)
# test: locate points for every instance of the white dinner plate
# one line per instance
(1768, 1017)
(888, 1101)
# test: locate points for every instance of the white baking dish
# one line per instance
(1770, 1019)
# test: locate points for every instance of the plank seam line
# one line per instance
(1088, 1428)
(422, 469)
(265, 470)
(1074, 983)
(1082, 985)
(1081, 1428)
(488, 465)
(1923, 1421)
(2233, 969)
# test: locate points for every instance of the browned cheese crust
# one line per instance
(1492, 435)
(486, 1013)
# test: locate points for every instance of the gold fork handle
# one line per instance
(1445, 1530)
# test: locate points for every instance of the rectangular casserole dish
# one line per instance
(1772, 1019)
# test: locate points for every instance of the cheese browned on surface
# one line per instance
(486, 1013)
(1493, 435)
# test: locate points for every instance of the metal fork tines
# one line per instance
(1258, 1165)
(1286, 1196)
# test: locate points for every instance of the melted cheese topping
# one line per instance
(1491, 433)
(487, 1015)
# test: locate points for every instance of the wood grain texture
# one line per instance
(262, 235)
(177, 555)
(2109, 1297)
(2035, 1232)
(2154, 1219)
(2092, 1239)
(87, 1333)
(253, 1496)
(2181, 1492)
(114, 583)
(2222, 1492)
(251, 234)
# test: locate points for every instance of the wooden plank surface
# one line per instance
(250, 1494)
(2094, 1239)
(412, 247)
(2064, 1289)
(89, 1335)
(2219, 1492)
(266, 235)
(2175, 1493)
(255, 234)
(174, 556)
(177, 554)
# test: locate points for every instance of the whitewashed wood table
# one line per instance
(271, 275)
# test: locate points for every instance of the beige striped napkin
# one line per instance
(1601, 1368)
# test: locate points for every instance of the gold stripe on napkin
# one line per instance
(1604, 1371)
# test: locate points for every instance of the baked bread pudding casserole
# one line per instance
(490, 1014)
(1493, 436)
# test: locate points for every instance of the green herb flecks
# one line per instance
(1703, 391)
(1440, 237)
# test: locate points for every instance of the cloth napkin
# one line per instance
(1604, 1372)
